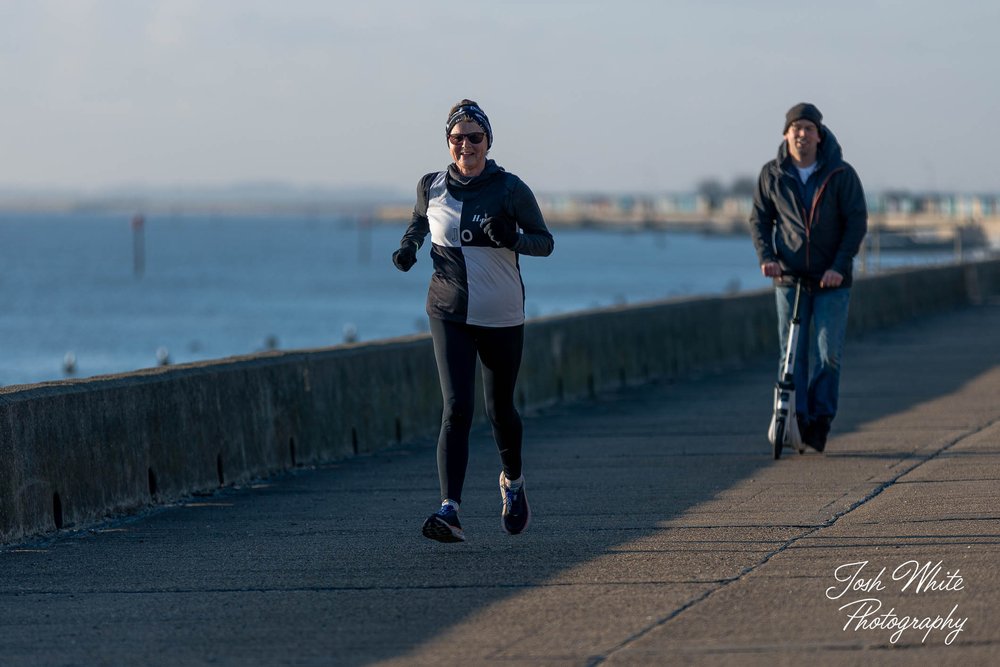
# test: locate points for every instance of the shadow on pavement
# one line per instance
(330, 563)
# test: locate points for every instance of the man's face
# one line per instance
(803, 139)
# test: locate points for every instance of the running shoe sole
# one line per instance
(436, 528)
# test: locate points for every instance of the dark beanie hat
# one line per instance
(803, 111)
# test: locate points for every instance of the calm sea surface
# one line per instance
(219, 286)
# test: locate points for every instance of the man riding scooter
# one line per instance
(808, 221)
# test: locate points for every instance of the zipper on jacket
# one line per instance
(814, 206)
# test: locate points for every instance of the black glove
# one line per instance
(501, 231)
(405, 257)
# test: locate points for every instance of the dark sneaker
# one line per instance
(515, 514)
(819, 429)
(444, 526)
(805, 429)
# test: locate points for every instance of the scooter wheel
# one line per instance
(779, 437)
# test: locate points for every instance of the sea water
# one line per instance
(212, 286)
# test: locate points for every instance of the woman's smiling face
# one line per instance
(470, 158)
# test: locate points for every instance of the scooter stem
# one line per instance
(795, 308)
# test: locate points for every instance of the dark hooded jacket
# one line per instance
(807, 238)
(475, 281)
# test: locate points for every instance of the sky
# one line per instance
(622, 96)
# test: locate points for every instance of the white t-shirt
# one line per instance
(806, 172)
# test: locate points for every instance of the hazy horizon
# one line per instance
(583, 97)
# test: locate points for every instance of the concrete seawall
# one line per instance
(74, 452)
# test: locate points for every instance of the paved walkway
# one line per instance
(664, 534)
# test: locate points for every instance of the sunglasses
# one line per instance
(473, 137)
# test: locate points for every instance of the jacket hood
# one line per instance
(828, 155)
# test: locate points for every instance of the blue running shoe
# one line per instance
(443, 525)
(515, 514)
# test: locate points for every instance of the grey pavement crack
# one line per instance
(871, 495)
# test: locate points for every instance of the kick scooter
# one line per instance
(784, 428)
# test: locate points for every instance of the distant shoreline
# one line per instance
(904, 230)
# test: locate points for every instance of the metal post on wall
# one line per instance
(364, 224)
(138, 245)
(877, 249)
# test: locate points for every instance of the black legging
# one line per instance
(455, 348)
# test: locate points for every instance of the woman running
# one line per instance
(480, 219)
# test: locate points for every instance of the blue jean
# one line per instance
(823, 317)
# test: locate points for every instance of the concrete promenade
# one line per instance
(664, 534)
